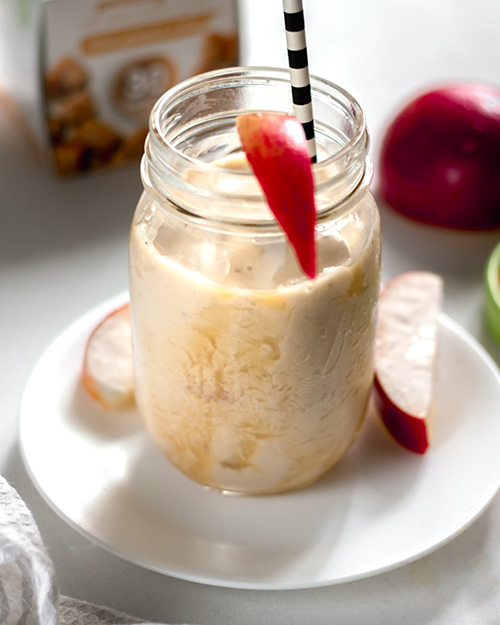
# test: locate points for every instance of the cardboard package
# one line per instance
(86, 73)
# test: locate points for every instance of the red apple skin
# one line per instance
(440, 158)
(408, 430)
(276, 148)
(406, 337)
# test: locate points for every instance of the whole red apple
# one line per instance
(440, 158)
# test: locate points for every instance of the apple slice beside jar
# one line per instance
(107, 371)
(406, 350)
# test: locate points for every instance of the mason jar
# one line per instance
(250, 376)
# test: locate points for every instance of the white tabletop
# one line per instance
(63, 250)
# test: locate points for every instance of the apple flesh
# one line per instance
(276, 148)
(107, 373)
(405, 356)
(440, 158)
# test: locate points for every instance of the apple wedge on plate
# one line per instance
(405, 356)
(107, 373)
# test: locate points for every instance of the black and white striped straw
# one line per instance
(299, 70)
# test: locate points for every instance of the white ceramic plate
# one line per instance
(380, 508)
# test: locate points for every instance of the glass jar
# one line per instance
(251, 377)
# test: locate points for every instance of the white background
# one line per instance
(63, 250)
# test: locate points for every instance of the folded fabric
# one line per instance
(28, 587)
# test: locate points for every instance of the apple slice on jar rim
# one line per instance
(276, 148)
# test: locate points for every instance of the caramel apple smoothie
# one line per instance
(250, 376)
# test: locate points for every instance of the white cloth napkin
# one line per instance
(28, 587)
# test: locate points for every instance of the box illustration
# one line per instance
(86, 73)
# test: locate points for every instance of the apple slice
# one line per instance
(107, 373)
(405, 356)
(276, 148)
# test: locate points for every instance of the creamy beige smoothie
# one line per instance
(251, 377)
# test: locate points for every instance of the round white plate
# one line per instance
(381, 507)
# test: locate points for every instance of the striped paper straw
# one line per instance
(299, 70)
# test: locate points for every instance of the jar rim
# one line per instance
(318, 86)
(173, 173)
